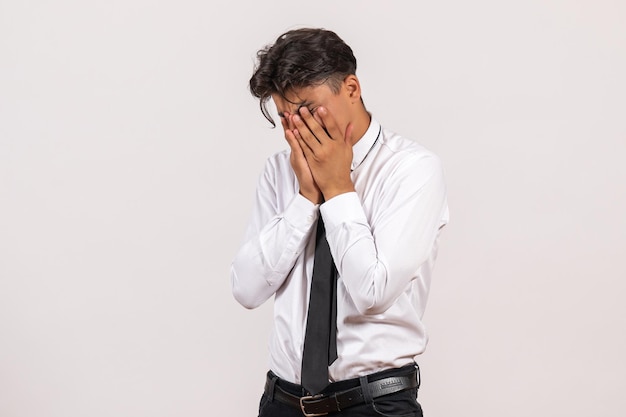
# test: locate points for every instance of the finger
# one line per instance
(294, 143)
(314, 126)
(285, 121)
(304, 146)
(329, 122)
(305, 133)
(288, 117)
(318, 119)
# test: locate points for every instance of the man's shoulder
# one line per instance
(401, 147)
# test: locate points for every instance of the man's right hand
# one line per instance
(308, 187)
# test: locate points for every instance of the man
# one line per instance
(379, 198)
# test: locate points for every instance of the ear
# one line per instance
(353, 88)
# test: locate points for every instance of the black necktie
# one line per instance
(320, 340)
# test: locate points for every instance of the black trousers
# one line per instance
(399, 404)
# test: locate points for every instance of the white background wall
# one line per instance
(129, 153)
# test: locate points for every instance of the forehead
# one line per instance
(305, 96)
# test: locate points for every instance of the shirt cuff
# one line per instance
(344, 208)
(301, 213)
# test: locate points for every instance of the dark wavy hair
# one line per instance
(300, 58)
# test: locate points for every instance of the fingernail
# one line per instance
(296, 117)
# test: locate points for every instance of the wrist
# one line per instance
(314, 197)
(335, 191)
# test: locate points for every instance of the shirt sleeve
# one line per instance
(273, 242)
(378, 257)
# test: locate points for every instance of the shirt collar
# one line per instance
(363, 146)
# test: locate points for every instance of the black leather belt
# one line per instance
(323, 404)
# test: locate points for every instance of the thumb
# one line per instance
(348, 136)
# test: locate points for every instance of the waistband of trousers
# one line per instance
(346, 384)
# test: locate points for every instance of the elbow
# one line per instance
(371, 294)
(247, 302)
(244, 300)
(372, 307)
(371, 302)
(244, 296)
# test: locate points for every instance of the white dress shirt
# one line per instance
(383, 239)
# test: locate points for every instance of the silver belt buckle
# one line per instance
(302, 405)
